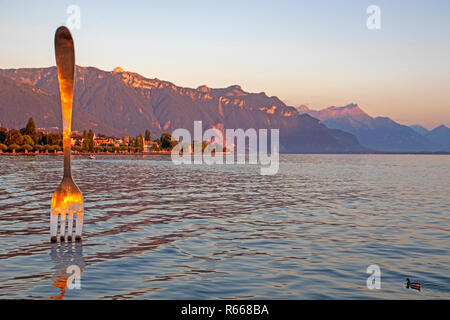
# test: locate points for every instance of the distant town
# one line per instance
(32, 140)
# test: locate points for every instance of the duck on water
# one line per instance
(412, 285)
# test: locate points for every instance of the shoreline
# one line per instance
(84, 153)
(222, 153)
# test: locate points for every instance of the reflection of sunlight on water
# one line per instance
(159, 231)
(64, 255)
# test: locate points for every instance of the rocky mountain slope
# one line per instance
(126, 103)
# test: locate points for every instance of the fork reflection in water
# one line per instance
(65, 255)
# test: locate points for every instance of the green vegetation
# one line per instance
(3, 132)
(14, 137)
(27, 148)
(147, 136)
(39, 148)
(155, 146)
(30, 130)
(166, 141)
(139, 143)
(88, 141)
(13, 147)
(28, 140)
(51, 139)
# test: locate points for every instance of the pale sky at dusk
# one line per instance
(318, 53)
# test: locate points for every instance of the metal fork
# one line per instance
(67, 199)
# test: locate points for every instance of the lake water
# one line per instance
(154, 230)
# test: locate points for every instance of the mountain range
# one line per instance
(381, 133)
(125, 103)
(439, 136)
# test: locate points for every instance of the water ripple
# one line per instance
(155, 230)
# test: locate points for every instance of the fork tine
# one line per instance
(53, 226)
(69, 227)
(63, 227)
(79, 225)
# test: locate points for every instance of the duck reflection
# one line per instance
(65, 255)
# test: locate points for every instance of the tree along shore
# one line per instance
(125, 153)
(28, 141)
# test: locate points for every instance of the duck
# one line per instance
(412, 285)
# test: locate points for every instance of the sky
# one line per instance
(318, 53)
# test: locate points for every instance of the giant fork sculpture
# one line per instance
(67, 199)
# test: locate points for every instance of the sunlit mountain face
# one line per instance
(126, 103)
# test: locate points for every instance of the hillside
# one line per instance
(126, 103)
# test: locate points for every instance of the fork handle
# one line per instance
(66, 140)
(65, 63)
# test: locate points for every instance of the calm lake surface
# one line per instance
(154, 230)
